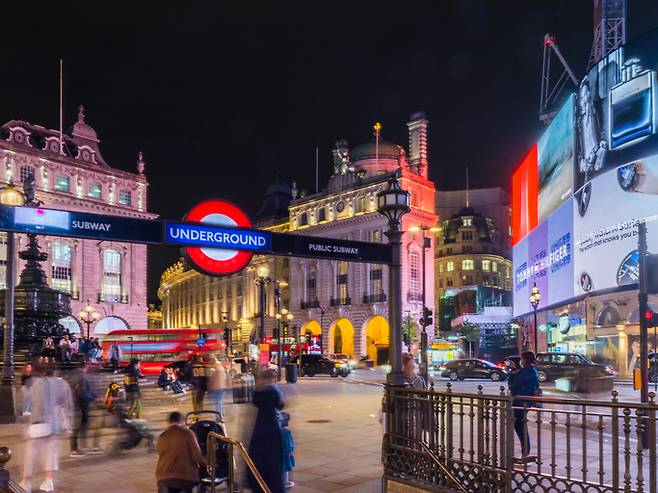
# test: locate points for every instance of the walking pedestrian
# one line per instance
(219, 382)
(266, 446)
(179, 457)
(26, 385)
(51, 417)
(84, 395)
(288, 451)
(115, 355)
(523, 381)
(199, 383)
(131, 385)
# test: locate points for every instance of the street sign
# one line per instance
(217, 261)
(216, 235)
(201, 341)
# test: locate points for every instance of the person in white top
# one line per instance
(219, 381)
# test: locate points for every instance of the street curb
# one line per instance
(344, 380)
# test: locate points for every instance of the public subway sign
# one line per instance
(216, 236)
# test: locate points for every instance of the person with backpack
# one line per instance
(131, 385)
(84, 395)
(199, 382)
(523, 381)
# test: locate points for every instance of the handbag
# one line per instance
(39, 430)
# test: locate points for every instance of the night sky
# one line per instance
(219, 95)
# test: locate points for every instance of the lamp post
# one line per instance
(393, 203)
(323, 310)
(426, 318)
(262, 278)
(89, 315)
(535, 298)
(279, 312)
(9, 195)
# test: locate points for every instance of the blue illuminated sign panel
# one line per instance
(216, 237)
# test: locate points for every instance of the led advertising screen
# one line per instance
(555, 159)
(614, 150)
(545, 258)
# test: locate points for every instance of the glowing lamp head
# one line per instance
(263, 271)
(393, 202)
(10, 195)
(535, 296)
(290, 316)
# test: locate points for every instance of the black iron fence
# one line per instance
(470, 442)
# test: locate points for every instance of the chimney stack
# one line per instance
(418, 143)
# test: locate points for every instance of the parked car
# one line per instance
(314, 364)
(472, 368)
(551, 366)
(345, 359)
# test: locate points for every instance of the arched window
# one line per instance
(111, 288)
(61, 266)
(108, 324)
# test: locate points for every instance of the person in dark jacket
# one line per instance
(84, 395)
(523, 381)
(163, 380)
(266, 446)
(131, 385)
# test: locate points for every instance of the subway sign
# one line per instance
(214, 237)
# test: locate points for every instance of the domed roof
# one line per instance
(82, 129)
(367, 150)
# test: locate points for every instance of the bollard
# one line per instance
(5, 456)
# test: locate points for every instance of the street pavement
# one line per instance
(334, 423)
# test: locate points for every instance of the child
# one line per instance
(288, 449)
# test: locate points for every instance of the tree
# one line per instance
(471, 333)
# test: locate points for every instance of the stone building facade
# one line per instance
(346, 304)
(73, 176)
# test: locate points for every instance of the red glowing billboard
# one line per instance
(525, 191)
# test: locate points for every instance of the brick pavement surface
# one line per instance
(335, 425)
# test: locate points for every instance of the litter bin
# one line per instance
(291, 373)
(243, 388)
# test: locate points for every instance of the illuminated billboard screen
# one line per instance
(524, 196)
(608, 131)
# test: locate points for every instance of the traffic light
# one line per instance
(651, 317)
(426, 319)
(652, 273)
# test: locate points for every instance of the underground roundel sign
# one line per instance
(218, 261)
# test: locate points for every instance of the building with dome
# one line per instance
(343, 304)
(71, 174)
(191, 299)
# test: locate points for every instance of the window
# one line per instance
(467, 221)
(440, 267)
(449, 282)
(468, 264)
(111, 288)
(440, 282)
(61, 266)
(238, 289)
(485, 280)
(376, 286)
(322, 214)
(25, 172)
(342, 281)
(124, 197)
(467, 235)
(468, 280)
(440, 253)
(63, 183)
(486, 265)
(95, 190)
(361, 204)
(311, 285)
(377, 236)
(286, 262)
(449, 251)
(414, 268)
(494, 266)
(450, 266)
(303, 219)
(467, 249)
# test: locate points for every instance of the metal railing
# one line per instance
(346, 300)
(310, 304)
(374, 297)
(576, 445)
(231, 445)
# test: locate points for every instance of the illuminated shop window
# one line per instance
(95, 190)
(63, 183)
(61, 266)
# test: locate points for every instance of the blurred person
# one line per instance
(97, 350)
(163, 380)
(48, 348)
(26, 385)
(174, 383)
(523, 381)
(266, 446)
(115, 354)
(84, 395)
(65, 349)
(131, 385)
(219, 381)
(288, 451)
(410, 375)
(179, 457)
(83, 348)
(52, 406)
(198, 381)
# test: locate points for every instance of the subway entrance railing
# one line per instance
(436, 439)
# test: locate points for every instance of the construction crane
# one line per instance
(609, 34)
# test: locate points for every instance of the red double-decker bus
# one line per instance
(156, 348)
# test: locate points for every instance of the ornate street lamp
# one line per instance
(9, 196)
(262, 278)
(393, 203)
(89, 315)
(535, 298)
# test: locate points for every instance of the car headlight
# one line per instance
(610, 370)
